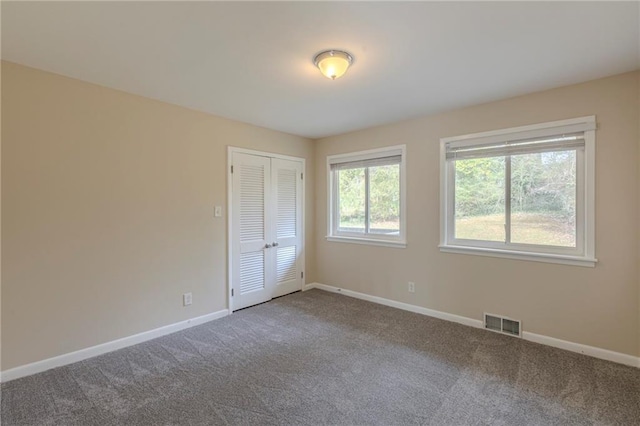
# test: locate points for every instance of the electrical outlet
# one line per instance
(412, 287)
(187, 299)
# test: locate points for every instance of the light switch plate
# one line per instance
(218, 211)
(187, 299)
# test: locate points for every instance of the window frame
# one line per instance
(584, 252)
(333, 234)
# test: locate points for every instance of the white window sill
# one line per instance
(510, 254)
(367, 241)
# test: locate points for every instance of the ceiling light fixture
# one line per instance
(333, 63)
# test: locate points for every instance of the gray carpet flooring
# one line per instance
(322, 358)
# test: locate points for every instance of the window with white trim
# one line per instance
(524, 192)
(367, 196)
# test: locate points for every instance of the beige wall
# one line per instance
(593, 306)
(107, 217)
(107, 212)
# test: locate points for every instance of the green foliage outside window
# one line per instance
(384, 197)
(543, 198)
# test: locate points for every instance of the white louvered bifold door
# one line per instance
(251, 230)
(286, 184)
(266, 228)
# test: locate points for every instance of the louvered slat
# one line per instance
(286, 265)
(287, 206)
(251, 202)
(251, 272)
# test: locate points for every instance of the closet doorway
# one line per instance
(266, 223)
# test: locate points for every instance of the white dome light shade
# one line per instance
(333, 63)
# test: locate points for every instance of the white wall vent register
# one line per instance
(502, 325)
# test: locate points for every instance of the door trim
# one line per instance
(230, 151)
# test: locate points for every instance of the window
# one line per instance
(524, 193)
(366, 197)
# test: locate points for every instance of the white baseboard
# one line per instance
(399, 305)
(593, 351)
(82, 354)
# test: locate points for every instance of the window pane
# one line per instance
(384, 199)
(351, 200)
(479, 199)
(543, 198)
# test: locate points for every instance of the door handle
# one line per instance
(267, 246)
(276, 244)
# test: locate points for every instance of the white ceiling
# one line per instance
(253, 61)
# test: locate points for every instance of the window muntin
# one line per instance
(525, 190)
(366, 195)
